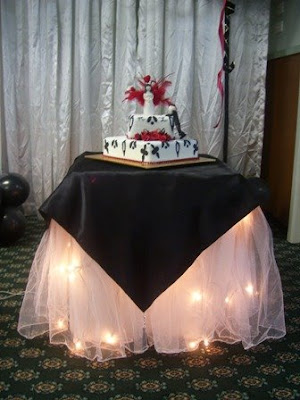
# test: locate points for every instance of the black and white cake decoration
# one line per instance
(152, 138)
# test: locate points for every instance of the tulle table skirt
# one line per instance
(231, 293)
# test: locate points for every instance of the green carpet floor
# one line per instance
(34, 369)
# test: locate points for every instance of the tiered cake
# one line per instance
(151, 138)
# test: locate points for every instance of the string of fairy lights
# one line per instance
(72, 272)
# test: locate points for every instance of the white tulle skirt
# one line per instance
(231, 293)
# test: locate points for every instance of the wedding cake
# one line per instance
(151, 138)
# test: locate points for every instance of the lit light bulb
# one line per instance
(110, 339)
(78, 345)
(193, 345)
(227, 300)
(249, 289)
(197, 296)
(60, 324)
(206, 342)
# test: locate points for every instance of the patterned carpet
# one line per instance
(33, 369)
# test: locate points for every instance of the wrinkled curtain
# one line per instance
(65, 65)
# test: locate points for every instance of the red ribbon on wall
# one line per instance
(220, 73)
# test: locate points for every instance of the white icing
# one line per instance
(139, 122)
(150, 152)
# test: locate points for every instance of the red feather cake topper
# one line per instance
(158, 89)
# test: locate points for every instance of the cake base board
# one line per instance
(146, 165)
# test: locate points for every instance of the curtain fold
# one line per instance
(249, 45)
(67, 63)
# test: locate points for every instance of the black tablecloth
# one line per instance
(146, 227)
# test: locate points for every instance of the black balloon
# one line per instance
(15, 189)
(12, 225)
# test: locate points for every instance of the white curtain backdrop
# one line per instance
(65, 65)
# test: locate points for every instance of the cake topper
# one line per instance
(150, 94)
(149, 85)
(148, 101)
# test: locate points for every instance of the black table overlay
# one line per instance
(146, 227)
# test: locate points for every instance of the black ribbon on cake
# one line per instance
(146, 227)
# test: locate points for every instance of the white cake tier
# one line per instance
(139, 123)
(150, 151)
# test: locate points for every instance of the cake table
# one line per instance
(170, 257)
